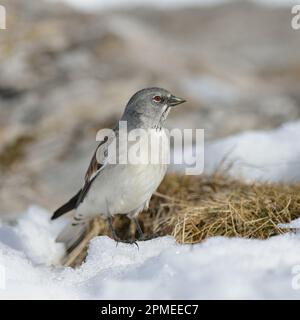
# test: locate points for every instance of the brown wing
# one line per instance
(93, 167)
(99, 155)
(90, 176)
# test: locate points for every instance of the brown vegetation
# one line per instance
(195, 208)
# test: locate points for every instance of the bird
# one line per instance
(120, 188)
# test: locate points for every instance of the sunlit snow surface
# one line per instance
(105, 4)
(218, 268)
(272, 155)
(262, 155)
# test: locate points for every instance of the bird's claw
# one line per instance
(131, 241)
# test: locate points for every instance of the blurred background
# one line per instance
(68, 68)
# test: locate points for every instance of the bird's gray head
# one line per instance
(149, 108)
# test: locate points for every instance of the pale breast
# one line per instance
(120, 189)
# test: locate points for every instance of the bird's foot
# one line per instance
(130, 241)
(115, 236)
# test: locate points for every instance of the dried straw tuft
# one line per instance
(194, 208)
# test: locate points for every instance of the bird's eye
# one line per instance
(157, 98)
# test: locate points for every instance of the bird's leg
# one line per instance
(111, 227)
(139, 229)
(114, 234)
(142, 236)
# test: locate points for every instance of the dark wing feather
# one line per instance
(70, 205)
(94, 166)
(90, 176)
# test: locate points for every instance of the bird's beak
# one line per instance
(174, 101)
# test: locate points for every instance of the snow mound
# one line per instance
(259, 155)
(295, 225)
(160, 268)
(105, 4)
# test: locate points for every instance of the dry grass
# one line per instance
(195, 208)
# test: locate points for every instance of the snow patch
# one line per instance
(217, 268)
(106, 4)
(272, 156)
(258, 155)
(295, 224)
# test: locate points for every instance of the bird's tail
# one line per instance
(72, 234)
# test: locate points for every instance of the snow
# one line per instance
(272, 155)
(219, 268)
(295, 224)
(105, 4)
(211, 90)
